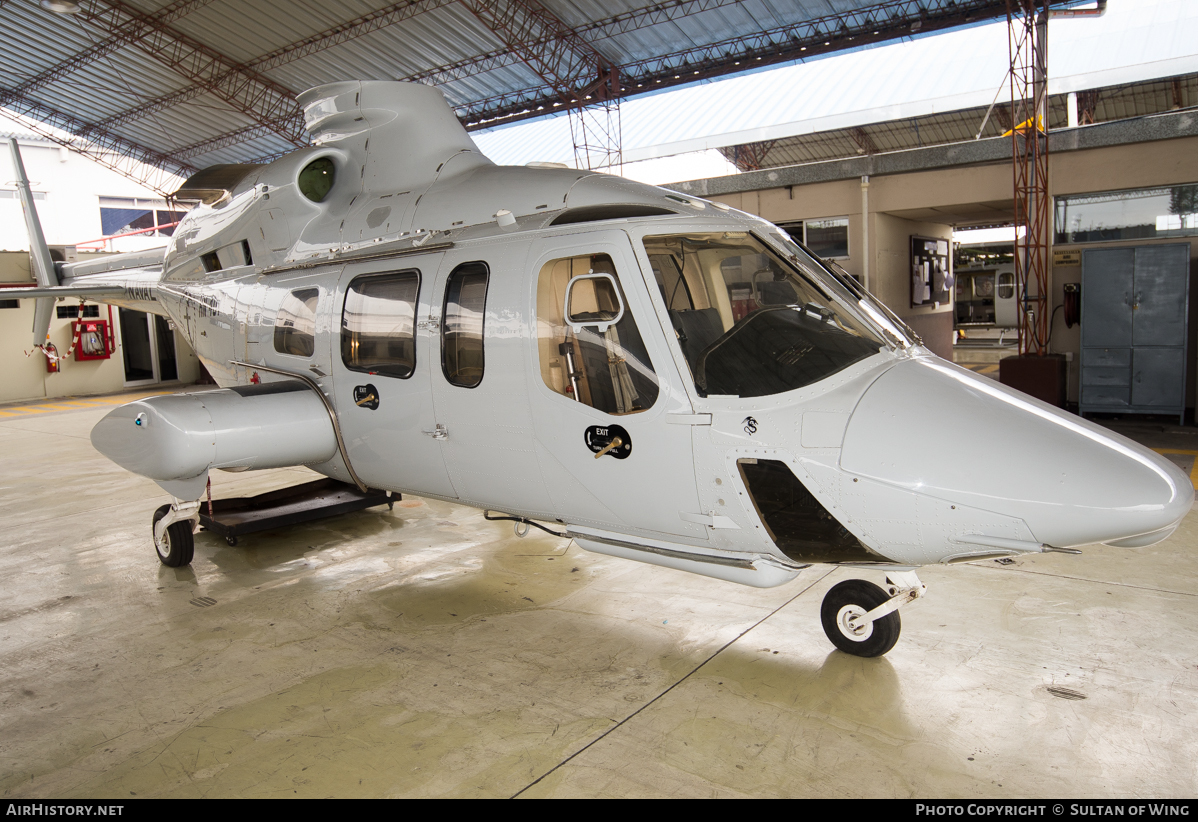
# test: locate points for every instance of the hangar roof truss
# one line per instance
(159, 89)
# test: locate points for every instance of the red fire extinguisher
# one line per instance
(51, 358)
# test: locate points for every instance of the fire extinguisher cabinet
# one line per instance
(94, 340)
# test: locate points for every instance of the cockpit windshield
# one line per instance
(750, 322)
(847, 288)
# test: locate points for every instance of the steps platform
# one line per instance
(237, 516)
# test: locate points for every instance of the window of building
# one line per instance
(462, 325)
(378, 325)
(295, 324)
(11, 194)
(1136, 214)
(71, 312)
(10, 303)
(127, 215)
(609, 369)
(828, 239)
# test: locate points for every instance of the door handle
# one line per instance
(366, 396)
(610, 440)
(615, 443)
(439, 432)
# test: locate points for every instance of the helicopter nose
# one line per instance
(937, 429)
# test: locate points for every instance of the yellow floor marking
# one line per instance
(76, 404)
(987, 369)
(1194, 454)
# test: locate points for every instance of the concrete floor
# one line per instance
(427, 652)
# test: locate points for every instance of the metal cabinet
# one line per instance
(1134, 312)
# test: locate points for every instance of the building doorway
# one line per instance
(147, 348)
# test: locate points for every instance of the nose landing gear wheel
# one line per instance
(178, 543)
(856, 597)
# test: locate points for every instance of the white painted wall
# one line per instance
(69, 214)
(25, 378)
(73, 185)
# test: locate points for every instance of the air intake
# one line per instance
(796, 521)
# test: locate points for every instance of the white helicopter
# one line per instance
(665, 378)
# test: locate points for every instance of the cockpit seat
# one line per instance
(776, 293)
(696, 329)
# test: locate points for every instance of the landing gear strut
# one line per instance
(862, 619)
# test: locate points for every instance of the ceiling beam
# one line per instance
(146, 166)
(560, 56)
(618, 24)
(602, 29)
(834, 32)
(123, 32)
(367, 23)
(242, 88)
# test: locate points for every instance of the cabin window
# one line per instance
(587, 359)
(378, 325)
(316, 180)
(462, 325)
(752, 323)
(295, 324)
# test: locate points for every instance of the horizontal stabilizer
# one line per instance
(112, 263)
(95, 292)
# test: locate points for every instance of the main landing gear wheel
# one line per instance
(856, 597)
(178, 543)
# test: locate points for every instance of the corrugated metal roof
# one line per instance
(934, 77)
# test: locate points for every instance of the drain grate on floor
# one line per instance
(204, 602)
(1065, 693)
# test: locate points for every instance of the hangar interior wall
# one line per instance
(929, 203)
(24, 378)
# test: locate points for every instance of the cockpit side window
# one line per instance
(756, 324)
(378, 324)
(604, 366)
(295, 324)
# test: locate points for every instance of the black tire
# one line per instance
(857, 595)
(178, 543)
(232, 541)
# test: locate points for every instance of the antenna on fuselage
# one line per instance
(39, 252)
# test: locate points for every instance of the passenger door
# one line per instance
(384, 353)
(480, 384)
(613, 378)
